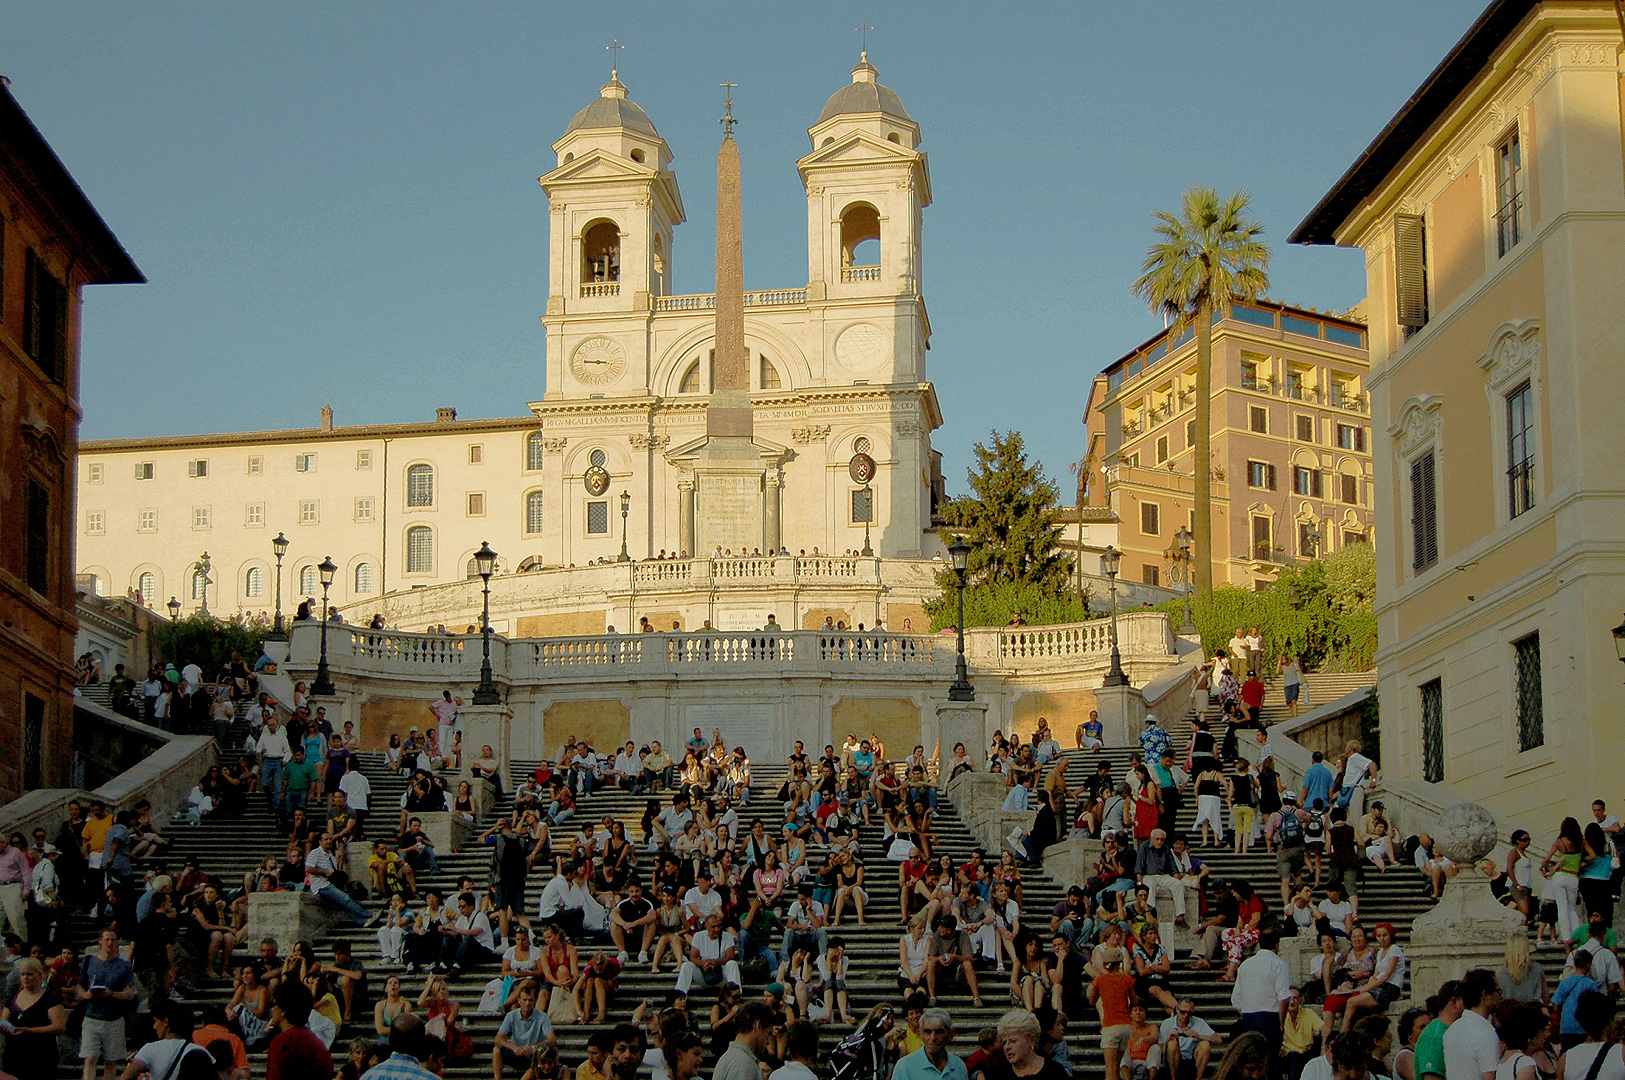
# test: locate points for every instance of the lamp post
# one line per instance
(204, 566)
(1184, 543)
(869, 516)
(279, 548)
(486, 561)
(959, 557)
(1109, 560)
(174, 607)
(323, 685)
(626, 506)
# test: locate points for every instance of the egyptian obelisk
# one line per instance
(729, 470)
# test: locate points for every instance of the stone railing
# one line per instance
(753, 298)
(162, 777)
(631, 656)
(1023, 647)
(600, 288)
(860, 273)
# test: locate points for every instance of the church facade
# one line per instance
(835, 368)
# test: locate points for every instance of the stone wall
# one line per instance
(979, 797)
(895, 720)
(382, 717)
(563, 623)
(607, 722)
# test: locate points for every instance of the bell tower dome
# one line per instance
(866, 183)
(614, 202)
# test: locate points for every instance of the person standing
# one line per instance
(107, 984)
(1255, 653)
(1472, 1047)
(16, 884)
(1263, 987)
(932, 1061)
(38, 1018)
(274, 752)
(1446, 1007)
(1359, 773)
(295, 1053)
(445, 717)
(752, 1036)
(1291, 672)
(171, 1055)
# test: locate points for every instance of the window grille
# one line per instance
(419, 550)
(1520, 455)
(1432, 694)
(533, 512)
(598, 518)
(533, 453)
(1531, 713)
(420, 485)
(863, 506)
(1509, 197)
(253, 582)
(363, 578)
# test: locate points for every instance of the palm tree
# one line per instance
(1203, 258)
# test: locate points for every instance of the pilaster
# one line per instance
(485, 725)
(1122, 711)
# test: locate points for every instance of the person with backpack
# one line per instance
(1287, 829)
(1314, 837)
(171, 1055)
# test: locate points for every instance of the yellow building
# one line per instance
(1291, 443)
(1491, 210)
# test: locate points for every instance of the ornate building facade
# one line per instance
(836, 367)
(52, 244)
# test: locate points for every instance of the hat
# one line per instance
(774, 988)
(1289, 796)
(1111, 955)
(1150, 719)
(50, 849)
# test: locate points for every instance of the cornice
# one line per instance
(292, 435)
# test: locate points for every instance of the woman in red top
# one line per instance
(1250, 910)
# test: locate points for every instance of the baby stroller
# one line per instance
(864, 1055)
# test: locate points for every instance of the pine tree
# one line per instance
(1010, 520)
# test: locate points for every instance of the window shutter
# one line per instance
(1269, 476)
(1410, 266)
(1314, 483)
(1424, 514)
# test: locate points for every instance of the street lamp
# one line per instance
(203, 567)
(868, 516)
(1109, 560)
(279, 548)
(959, 557)
(626, 505)
(323, 685)
(1184, 543)
(486, 561)
(174, 607)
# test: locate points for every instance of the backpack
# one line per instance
(1291, 830)
(1315, 829)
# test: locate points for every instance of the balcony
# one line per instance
(600, 288)
(860, 273)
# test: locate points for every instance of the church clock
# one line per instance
(597, 361)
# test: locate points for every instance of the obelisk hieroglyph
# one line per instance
(729, 471)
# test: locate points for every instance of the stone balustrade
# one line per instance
(1021, 648)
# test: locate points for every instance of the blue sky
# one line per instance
(337, 202)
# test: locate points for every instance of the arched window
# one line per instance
(637, 156)
(533, 512)
(697, 382)
(861, 445)
(533, 452)
(200, 584)
(419, 550)
(420, 485)
(307, 580)
(147, 586)
(770, 375)
(363, 579)
(597, 458)
(601, 253)
(254, 582)
(860, 236)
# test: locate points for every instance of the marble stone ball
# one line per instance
(1465, 833)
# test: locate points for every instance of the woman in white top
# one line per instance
(1523, 1030)
(1577, 1062)
(1387, 980)
(1303, 912)
(913, 956)
(1521, 872)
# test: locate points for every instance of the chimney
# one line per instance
(327, 418)
(445, 415)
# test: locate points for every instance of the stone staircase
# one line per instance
(229, 849)
(1318, 689)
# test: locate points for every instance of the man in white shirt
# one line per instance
(320, 866)
(1236, 651)
(1472, 1049)
(804, 924)
(726, 815)
(712, 958)
(1605, 970)
(1262, 988)
(1358, 775)
(701, 901)
(149, 694)
(671, 822)
(626, 768)
(565, 900)
(468, 940)
(274, 752)
(357, 789)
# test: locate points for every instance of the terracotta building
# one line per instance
(52, 244)
(1291, 443)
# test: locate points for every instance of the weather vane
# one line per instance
(728, 120)
(612, 48)
(864, 30)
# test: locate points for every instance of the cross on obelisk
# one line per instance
(728, 120)
(612, 48)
